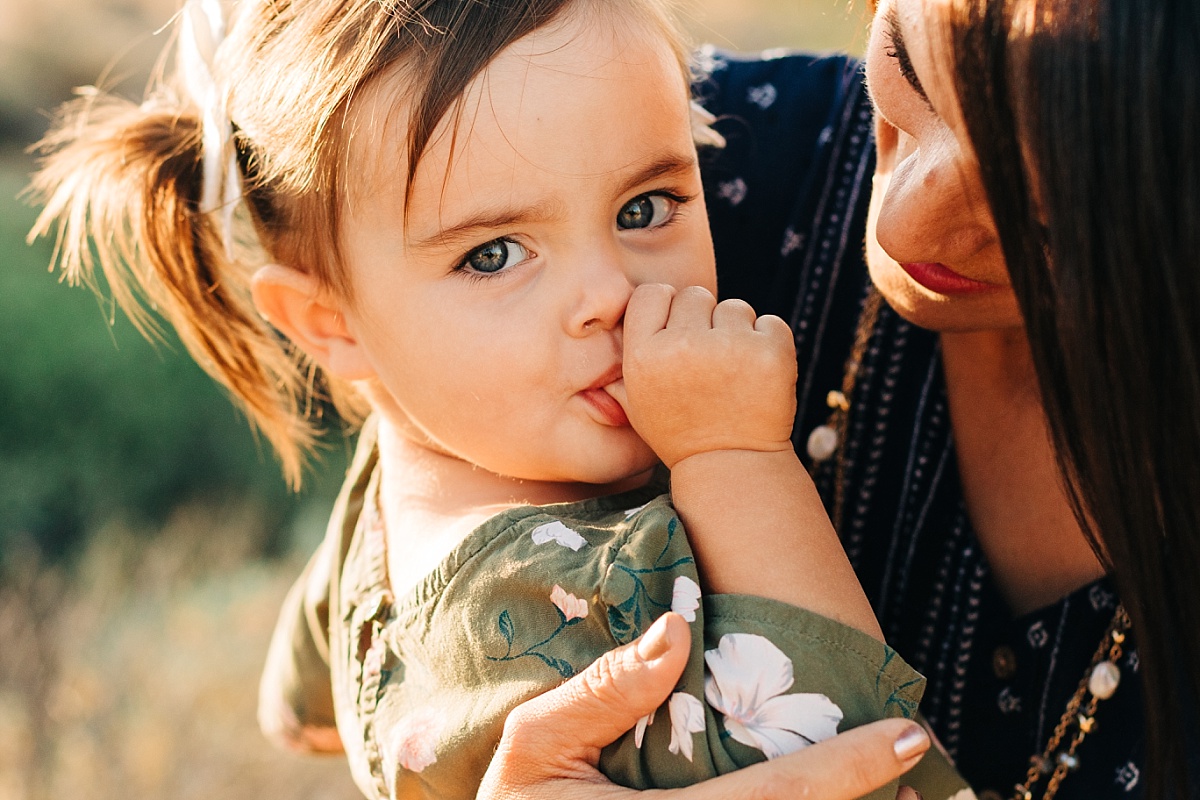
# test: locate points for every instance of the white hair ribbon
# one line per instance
(202, 28)
(702, 133)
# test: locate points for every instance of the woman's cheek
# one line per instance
(901, 215)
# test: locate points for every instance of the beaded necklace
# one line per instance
(1102, 676)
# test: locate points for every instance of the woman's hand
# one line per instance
(552, 743)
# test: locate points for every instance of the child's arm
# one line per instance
(711, 387)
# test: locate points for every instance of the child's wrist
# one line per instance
(758, 457)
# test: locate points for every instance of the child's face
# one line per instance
(494, 321)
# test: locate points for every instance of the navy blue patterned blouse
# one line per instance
(788, 201)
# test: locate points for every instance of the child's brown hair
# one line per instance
(123, 181)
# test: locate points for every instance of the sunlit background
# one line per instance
(146, 537)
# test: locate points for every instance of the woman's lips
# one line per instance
(941, 279)
(607, 408)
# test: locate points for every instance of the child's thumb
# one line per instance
(616, 390)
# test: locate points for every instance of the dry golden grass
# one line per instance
(133, 674)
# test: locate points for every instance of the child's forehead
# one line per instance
(586, 71)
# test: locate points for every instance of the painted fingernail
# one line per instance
(654, 642)
(911, 743)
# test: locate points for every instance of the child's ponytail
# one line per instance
(124, 184)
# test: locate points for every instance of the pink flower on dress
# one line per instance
(414, 739)
(571, 606)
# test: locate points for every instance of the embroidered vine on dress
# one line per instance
(508, 630)
(633, 615)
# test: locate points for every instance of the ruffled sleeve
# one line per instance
(764, 678)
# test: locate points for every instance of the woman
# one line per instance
(1036, 184)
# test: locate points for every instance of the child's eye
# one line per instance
(648, 211)
(492, 257)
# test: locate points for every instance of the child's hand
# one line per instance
(701, 376)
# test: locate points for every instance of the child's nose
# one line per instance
(602, 290)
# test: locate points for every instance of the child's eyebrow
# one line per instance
(494, 219)
(670, 164)
(489, 220)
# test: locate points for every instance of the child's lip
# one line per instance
(608, 378)
(607, 407)
(602, 401)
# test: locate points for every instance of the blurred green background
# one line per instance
(146, 536)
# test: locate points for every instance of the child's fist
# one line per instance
(702, 376)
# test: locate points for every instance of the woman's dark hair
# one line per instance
(1085, 117)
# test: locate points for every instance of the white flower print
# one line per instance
(631, 512)
(747, 678)
(414, 739)
(1008, 702)
(963, 794)
(685, 599)
(571, 606)
(733, 191)
(639, 731)
(1101, 598)
(1128, 776)
(1037, 635)
(762, 96)
(687, 717)
(558, 533)
(792, 242)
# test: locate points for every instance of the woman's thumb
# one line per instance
(574, 721)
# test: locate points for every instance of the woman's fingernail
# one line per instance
(911, 743)
(654, 642)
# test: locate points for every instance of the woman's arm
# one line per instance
(551, 744)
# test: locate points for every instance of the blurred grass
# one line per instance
(146, 539)
(132, 674)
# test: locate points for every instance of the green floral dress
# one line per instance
(415, 688)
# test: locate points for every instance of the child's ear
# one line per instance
(296, 304)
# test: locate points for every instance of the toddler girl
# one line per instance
(482, 225)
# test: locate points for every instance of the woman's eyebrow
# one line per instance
(900, 51)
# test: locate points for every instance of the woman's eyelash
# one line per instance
(895, 49)
(905, 67)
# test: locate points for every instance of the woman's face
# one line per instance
(931, 245)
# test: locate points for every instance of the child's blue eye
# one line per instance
(494, 256)
(646, 211)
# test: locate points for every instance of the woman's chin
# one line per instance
(943, 313)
